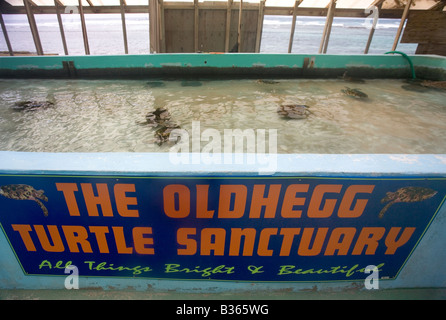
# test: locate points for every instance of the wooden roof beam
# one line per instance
(6, 8)
(377, 3)
(438, 6)
(33, 26)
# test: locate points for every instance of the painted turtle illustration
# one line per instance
(25, 192)
(355, 93)
(293, 111)
(406, 194)
(162, 135)
(31, 105)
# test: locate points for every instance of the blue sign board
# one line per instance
(217, 228)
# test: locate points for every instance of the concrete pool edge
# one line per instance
(160, 164)
(223, 66)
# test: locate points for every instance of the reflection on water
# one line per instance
(107, 115)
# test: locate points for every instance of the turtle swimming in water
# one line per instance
(293, 111)
(355, 93)
(348, 78)
(191, 83)
(160, 120)
(162, 135)
(31, 105)
(406, 194)
(263, 81)
(157, 117)
(156, 84)
(25, 192)
(434, 84)
(415, 85)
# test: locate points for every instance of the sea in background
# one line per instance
(348, 35)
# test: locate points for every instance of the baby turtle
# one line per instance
(293, 111)
(162, 135)
(156, 84)
(263, 81)
(31, 105)
(159, 116)
(191, 83)
(415, 85)
(355, 93)
(434, 84)
(406, 194)
(348, 78)
(25, 192)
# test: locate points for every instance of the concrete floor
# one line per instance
(89, 294)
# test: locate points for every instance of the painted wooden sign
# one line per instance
(217, 228)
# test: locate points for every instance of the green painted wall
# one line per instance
(299, 65)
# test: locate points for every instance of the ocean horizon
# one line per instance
(348, 35)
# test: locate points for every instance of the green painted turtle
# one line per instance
(406, 194)
(24, 192)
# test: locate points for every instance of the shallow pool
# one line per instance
(109, 115)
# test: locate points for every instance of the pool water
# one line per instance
(109, 115)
